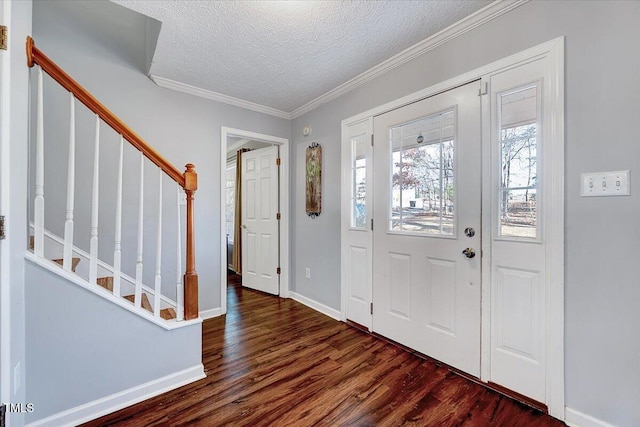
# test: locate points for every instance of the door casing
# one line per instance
(553, 53)
(283, 143)
(5, 265)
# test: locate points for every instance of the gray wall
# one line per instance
(181, 127)
(19, 23)
(81, 347)
(602, 235)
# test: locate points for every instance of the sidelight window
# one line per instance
(359, 181)
(518, 195)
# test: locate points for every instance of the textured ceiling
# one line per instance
(283, 54)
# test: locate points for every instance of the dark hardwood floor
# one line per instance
(275, 362)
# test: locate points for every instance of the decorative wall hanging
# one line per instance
(313, 205)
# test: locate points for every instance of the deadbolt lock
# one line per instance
(469, 232)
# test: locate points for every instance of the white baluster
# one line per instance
(158, 282)
(38, 204)
(93, 242)
(179, 285)
(117, 250)
(71, 177)
(138, 294)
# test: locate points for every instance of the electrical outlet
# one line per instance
(307, 273)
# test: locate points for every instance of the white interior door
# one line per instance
(260, 241)
(518, 207)
(426, 291)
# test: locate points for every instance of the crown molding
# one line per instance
(486, 14)
(480, 17)
(215, 96)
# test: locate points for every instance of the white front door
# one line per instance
(260, 237)
(426, 269)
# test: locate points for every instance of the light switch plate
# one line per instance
(604, 184)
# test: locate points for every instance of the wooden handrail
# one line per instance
(35, 56)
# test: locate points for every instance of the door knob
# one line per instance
(244, 226)
(469, 253)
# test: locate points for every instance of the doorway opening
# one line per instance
(265, 160)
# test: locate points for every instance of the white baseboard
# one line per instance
(328, 311)
(106, 405)
(211, 313)
(575, 418)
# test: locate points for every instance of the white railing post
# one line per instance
(179, 285)
(138, 294)
(71, 177)
(93, 242)
(117, 250)
(38, 204)
(158, 282)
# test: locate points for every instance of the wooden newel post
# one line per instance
(190, 275)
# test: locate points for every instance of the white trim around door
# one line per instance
(283, 143)
(552, 54)
(5, 264)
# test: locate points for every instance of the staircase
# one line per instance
(87, 269)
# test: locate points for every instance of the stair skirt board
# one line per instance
(104, 293)
(106, 405)
(54, 245)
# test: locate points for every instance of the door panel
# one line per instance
(426, 293)
(441, 284)
(259, 222)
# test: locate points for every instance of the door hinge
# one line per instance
(371, 224)
(278, 161)
(371, 308)
(2, 232)
(4, 35)
(372, 140)
(486, 89)
(278, 270)
(278, 216)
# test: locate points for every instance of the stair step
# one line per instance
(168, 313)
(105, 282)
(145, 301)
(74, 263)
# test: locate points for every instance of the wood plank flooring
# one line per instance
(275, 362)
